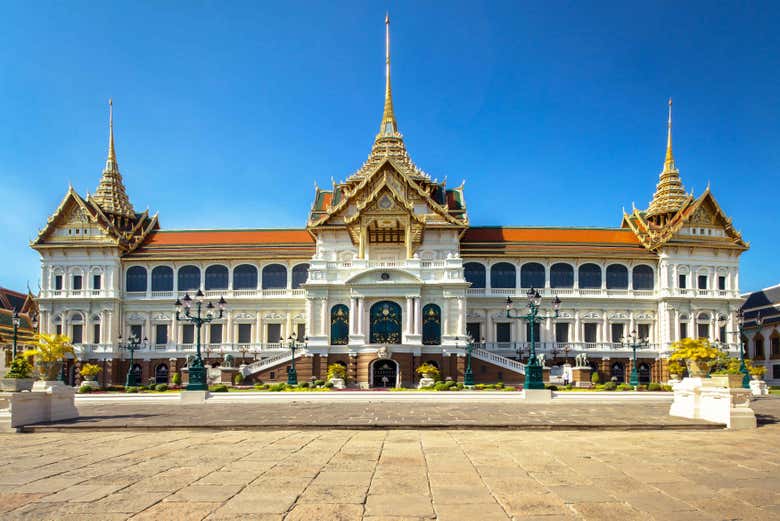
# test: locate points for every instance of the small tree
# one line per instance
(430, 370)
(337, 371)
(238, 379)
(20, 368)
(49, 353)
(176, 378)
(594, 378)
(89, 371)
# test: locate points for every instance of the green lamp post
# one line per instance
(468, 375)
(634, 342)
(741, 332)
(133, 344)
(197, 371)
(293, 344)
(533, 370)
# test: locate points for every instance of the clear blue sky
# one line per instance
(226, 113)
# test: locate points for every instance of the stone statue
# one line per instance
(540, 358)
(581, 360)
(227, 360)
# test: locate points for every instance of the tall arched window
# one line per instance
(643, 277)
(561, 275)
(274, 277)
(189, 278)
(590, 276)
(162, 278)
(758, 347)
(431, 329)
(217, 277)
(532, 275)
(474, 272)
(299, 275)
(385, 317)
(503, 275)
(245, 277)
(339, 325)
(618, 373)
(135, 279)
(617, 276)
(161, 374)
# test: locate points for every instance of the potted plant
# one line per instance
(728, 374)
(90, 372)
(429, 371)
(337, 375)
(676, 369)
(49, 353)
(697, 354)
(18, 377)
(756, 371)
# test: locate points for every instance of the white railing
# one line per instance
(270, 361)
(216, 293)
(559, 349)
(501, 361)
(567, 292)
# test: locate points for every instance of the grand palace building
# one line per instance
(387, 273)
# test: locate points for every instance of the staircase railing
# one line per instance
(501, 361)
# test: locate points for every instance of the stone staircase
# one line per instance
(271, 361)
(501, 361)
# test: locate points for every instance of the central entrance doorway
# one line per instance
(384, 373)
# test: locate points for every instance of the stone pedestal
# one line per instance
(581, 377)
(703, 398)
(426, 382)
(759, 388)
(226, 375)
(47, 402)
(193, 397)
(546, 375)
(537, 395)
(338, 383)
(185, 377)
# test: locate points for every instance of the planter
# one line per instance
(16, 384)
(90, 382)
(733, 381)
(49, 370)
(698, 368)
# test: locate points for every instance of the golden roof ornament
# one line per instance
(110, 194)
(388, 127)
(669, 194)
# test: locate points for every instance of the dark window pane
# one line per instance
(532, 275)
(561, 331)
(643, 277)
(722, 283)
(537, 332)
(474, 272)
(431, 327)
(617, 276)
(136, 330)
(96, 333)
(188, 334)
(561, 276)
(503, 332)
(161, 334)
(96, 281)
(216, 277)
(135, 279)
(245, 277)
(274, 277)
(474, 330)
(683, 330)
(300, 332)
(702, 281)
(703, 330)
(162, 278)
(590, 276)
(189, 278)
(77, 334)
(617, 332)
(77, 282)
(643, 330)
(299, 275)
(681, 281)
(274, 333)
(244, 333)
(503, 275)
(58, 282)
(339, 325)
(591, 332)
(215, 335)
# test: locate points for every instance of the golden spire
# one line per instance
(110, 194)
(389, 127)
(669, 192)
(111, 151)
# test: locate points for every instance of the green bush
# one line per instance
(567, 387)
(319, 383)
(131, 389)
(115, 388)
(84, 389)
(440, 386)
(625, 387)
(176, 378)
(238, 379)
(20, 368)
(609, 386)
(551, 387)
(594, 378)
(329, 385)
(161, 388)
(654, 387)
(219, 388)
(460, 386)
(641, 388)
(277, 387)
(667, 388)
(479, 387)
(499, 385)
(304, 385)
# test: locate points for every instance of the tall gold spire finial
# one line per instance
(110, 194)
(669, 162)
(111, 151)
(669, 194)
(389, 127)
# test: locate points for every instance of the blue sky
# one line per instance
(226, 113)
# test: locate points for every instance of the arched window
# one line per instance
(161, 374)
(189, 278)
(617, 276)
(561, 275)
(162, 278)
(503, 275)
(274, 277)
(643, 277)
(590, 276)
(758, 347)
(532, 275)
(644, 374)
(299, 275)
(136, 373)
(618, 373)
(217, 277)
(339, 325)
(245, 277)
(385, 317)
(474, 272)
(431, 329)
(135, 280)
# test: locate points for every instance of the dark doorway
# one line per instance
(385, 373)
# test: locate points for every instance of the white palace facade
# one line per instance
(388, 273)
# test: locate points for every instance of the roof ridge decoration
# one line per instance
(110, 194)
(669, 194)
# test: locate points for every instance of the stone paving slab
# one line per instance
(388, 415)
(403, 475)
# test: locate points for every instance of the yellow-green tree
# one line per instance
(49, 353)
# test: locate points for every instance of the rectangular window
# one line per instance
(137, 330)
(722, 283)
(215, 334)
(703, 330)
(76, 282)
(274, 333)
(245, 333)
(702, 281)
(775, 347)
(537, 332)
(643, 330)
(474, 330)
(681, 282)
(96, 281)
(617, 332)
(78, 334)
(722, 334)
(776, 371)
(561, 331)
(58, 282)
(58, 329)
(683, 330)
(503, 332)
(96, 333)
(591, 332)
(188, 334)
(301, 332)
(161, 334)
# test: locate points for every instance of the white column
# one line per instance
(490, 330)
(258, 328)
(353, 315)
(576, 334)
(361, 319)
(461, 317)
(174, 336)
(445, 317)
(605, 328)
(323, 316)
(417, 316)
(228, 334)
(408, 325)
(308, 319)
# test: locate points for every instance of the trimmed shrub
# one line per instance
(625, 387)
(84, 389)
(667, 388)
(304, 385)
(440, 386)
(609, 386)
(499, 385)
(176, 378)
(319, 383)
(220, 388)
(131, 389)
(161, 388)
(238, 379)
(329, 385)
(654, 387)
(20, 368)
(460, 386)
(277, 387)
(594, 378)
(551, 387)
(479, 387)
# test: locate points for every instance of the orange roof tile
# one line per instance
(212, 237)
(550, 235)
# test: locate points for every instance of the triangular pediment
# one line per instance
(75, 221)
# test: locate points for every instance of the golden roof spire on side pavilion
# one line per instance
(669, 194)
(110, 195)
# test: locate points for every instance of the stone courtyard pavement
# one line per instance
(393, 475)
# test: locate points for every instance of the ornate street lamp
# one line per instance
(293, 344)
(197, 372)
(634, 342)
(16, 322)
(133, 343)
(533, 370)
(468, 376)
(741, 332)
